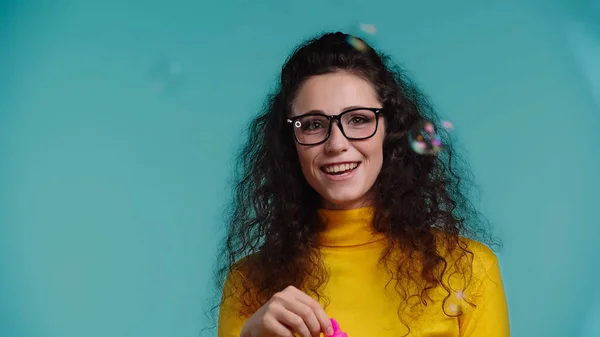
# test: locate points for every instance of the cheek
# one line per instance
(305, 157)
(379, 147)
(375, 152)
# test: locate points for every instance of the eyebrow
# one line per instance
(317, 111)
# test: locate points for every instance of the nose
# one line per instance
(337, 142)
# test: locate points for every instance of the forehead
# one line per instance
(333, 93)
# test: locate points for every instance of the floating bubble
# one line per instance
(368, 28)
(453, 309)
(460, 295)
(357, 43)
(424, 138)
(166, 75)
(447, 125)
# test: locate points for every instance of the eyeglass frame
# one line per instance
(378, 112)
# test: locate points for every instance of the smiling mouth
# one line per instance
(340, 169)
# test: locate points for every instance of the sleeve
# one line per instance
(490, 317)
(230, 320)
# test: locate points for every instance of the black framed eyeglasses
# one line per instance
(355, 124)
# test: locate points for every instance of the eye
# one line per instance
(313, 125)
(359, 120)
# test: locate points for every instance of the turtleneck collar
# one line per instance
(346, 228)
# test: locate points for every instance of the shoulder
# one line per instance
(471, 266)
(237, 289)
(237, 274)
(483, 256)
(464, 251)
(240, 280)
(234, 310)
(484, 271)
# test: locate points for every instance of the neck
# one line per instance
(365, 201)
(348, 227)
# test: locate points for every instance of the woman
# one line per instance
(336, 217)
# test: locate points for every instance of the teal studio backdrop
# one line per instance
(119, 121)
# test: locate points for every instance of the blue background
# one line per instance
(119, 121)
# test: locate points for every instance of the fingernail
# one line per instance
(329, 331)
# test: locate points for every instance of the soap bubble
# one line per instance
(357, 43)
(424, 138)
(359, 34)
(447, 125)
(166, 75)
(454, 309)
(460, 294)
(368, 28)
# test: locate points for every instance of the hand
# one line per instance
(287, 312)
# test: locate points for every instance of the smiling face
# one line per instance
(342, 171)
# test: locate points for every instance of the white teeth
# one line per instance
(340, 168)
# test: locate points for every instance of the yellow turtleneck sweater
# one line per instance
(364, 307)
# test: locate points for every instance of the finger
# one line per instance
(316, 308)
(306, 313)
(275, 327)
(294, 322)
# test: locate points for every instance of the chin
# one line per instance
(343, 201)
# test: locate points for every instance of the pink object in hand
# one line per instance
(337, 332)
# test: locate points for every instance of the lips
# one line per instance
(339, 168)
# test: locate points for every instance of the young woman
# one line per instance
(336, 216)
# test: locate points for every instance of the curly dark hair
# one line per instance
(274, 224)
